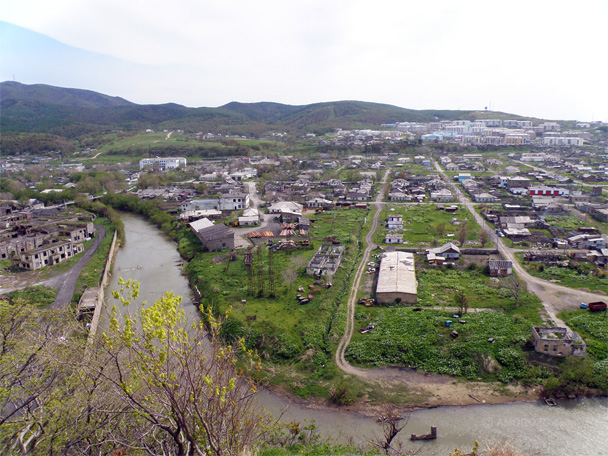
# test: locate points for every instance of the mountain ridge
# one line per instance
(44, 108)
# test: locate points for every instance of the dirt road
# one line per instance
(555, 298)
(350, 314)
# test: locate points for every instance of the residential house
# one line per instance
(398, 196)
(448, 251)
(393, 238)
(395, 222)
(442, 195)
(484, 198)
(319, 202)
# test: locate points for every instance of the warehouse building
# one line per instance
(397, 279)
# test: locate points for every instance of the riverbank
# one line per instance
(573, 427)
(373, 388)
(408, 389)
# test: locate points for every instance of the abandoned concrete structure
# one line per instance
(48, 254)
(326, 260)
(555, 341)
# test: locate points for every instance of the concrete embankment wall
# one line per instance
(105, 280)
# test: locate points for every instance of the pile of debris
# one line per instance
(304, 299)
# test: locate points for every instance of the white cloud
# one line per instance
(541, 58)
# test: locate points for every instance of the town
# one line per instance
(433, 232)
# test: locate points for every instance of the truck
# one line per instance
(597, 306)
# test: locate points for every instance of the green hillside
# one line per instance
(61, 115)
(12, 90)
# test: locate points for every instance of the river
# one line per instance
(578, 427)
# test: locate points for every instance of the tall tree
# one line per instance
(484, 237)
(516, 288)
(462, 233)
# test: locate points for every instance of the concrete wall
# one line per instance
(105, 280)
(389, 298)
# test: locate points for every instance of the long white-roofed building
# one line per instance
(397, 279)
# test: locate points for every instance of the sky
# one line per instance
(537, 58)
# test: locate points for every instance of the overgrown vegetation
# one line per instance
(576, 274)
(422, 340)
(37, 295)
(274, 322)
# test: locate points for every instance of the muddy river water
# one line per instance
(578, 427)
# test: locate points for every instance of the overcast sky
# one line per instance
(534, 58)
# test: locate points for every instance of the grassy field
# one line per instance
(424, 225)
(404, 337)
(439, 287)
(37, 295)
(276, 324)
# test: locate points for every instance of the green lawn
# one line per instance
(423, 224)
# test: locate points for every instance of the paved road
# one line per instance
(555, 298)
(66, 282)
(350, 314)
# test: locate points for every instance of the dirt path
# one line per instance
(350, 314)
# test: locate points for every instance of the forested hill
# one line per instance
(12, 90)
(72, 113)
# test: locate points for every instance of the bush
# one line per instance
(342, 395)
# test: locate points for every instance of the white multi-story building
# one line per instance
(562, 141)
(162, 162)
